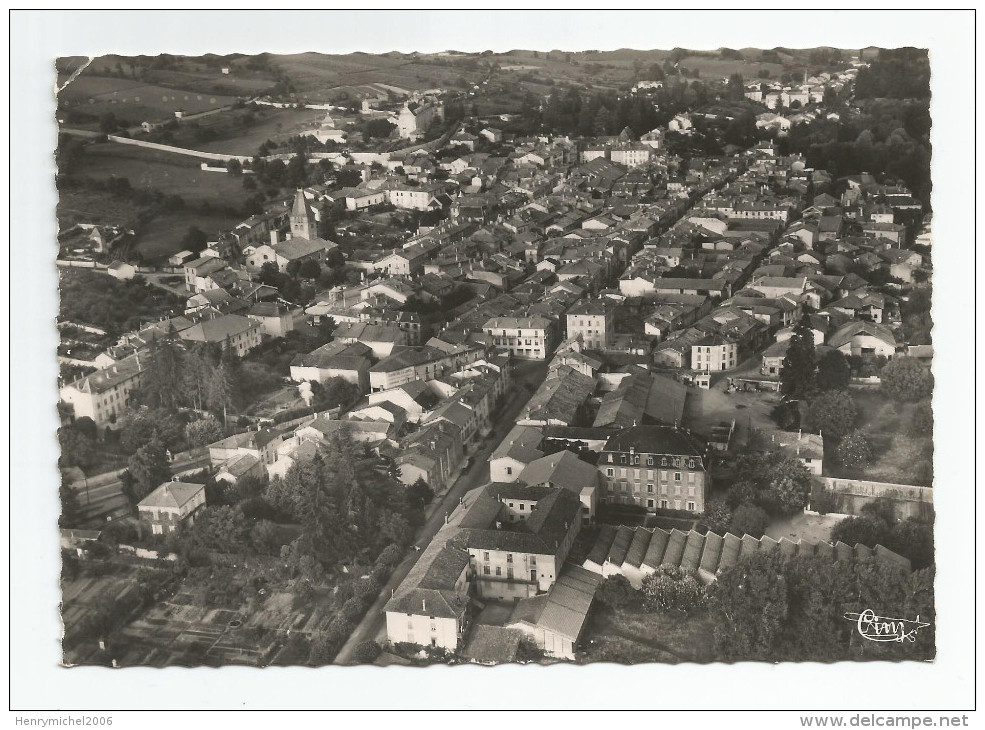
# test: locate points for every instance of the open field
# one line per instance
(161, 237)
(277, 125)
(751, 410)
(93, 206)
(898, 456)
(630, 636)
(326, 77)
(166, 172)
(132, 100)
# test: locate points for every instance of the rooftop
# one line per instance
(172, 495)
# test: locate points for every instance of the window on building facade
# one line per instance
(677, 476)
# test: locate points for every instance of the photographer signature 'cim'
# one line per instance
(883, 628)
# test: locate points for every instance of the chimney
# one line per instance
(273, 237)
(424, 605)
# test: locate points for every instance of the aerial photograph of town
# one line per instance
(479, 358)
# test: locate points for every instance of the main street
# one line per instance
(527, 376)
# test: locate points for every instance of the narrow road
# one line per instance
(527, 376)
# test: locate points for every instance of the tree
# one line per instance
(749, 519)
(71, 509)
(379, 128)
(603, 121)
(863, 529)
(750, 601)
(76, 448)
(310, 269)
(798, 375)
(223, 528)
(194, 239)
(269, 274)
(148, 468)
(775, 481)
(234, 167)
(736, 87)
(906, 380)
(786, 415)
(833, 371)
(922, 423)
(913, 539)
(323, 651)
(854, 451)
(672, 589)
(203, 431)
(717, 516)
(108, 123)
(366, 652)
(833, 413)
(419, 494)
(162, 381)
(198, 363)
(220, 392)
(333, 393)
(616, 591)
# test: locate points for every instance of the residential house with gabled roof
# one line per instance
(262, 445)
(560, 400)
(864, 338)
(234, 331)
(565, 470)
(433, 454)
(275, 319)
(381, 339)
(347, 360)
(197, 272)
(172, 506)
(519, 448)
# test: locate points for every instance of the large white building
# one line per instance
(105, 394)
(529, 338)
(412, 123)
(508, 542)
(654, 467)
(593, 320)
